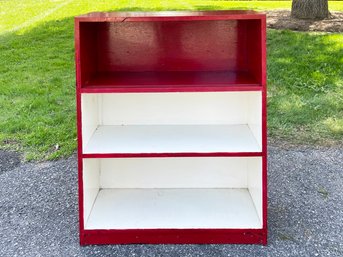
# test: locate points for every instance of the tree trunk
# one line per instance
(310, 9)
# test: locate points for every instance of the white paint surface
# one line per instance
(172, 139)
(255, 184)
(90, 116)
(91, 184)
(134, 123)
(173, 208)
(209, 172)
(172, 192)
(255, 116)
(176, 108)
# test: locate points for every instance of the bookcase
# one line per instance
(171, 120)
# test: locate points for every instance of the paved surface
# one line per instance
(38, 210)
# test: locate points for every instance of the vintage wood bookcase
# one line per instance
(171, 117)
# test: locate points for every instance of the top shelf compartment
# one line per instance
(194, 51)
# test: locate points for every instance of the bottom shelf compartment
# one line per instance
(172, 193)
(173, 208)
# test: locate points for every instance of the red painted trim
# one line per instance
(145, 19)
(264, 195)
(264, 125)
(169, 16)
(264, 128)
(77, 54)
(175, 236)
(79, 127)
(80, 164)
(194, 18)
(264, 161)
(162, 88)
(147, 155)
(264, 51)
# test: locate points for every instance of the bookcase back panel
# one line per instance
(175, 108)
(178, 172)
(171, 45)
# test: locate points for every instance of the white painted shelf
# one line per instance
(172, 139)
(173, 208)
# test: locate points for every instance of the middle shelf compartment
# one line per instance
(172, 123)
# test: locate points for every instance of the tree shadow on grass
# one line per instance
(281, 19)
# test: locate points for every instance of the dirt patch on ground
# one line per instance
(8, 160)
(281, 19)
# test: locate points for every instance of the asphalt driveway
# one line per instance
(38, 210)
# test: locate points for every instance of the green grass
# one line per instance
(37, 84)
(305, 87)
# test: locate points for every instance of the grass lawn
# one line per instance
(37, 84)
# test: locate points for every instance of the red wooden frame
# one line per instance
(86, 35)
(175, 236)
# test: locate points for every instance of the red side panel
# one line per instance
(79, 125)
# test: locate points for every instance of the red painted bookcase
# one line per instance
(171, 117)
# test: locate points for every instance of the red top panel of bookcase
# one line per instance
(169, 15)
